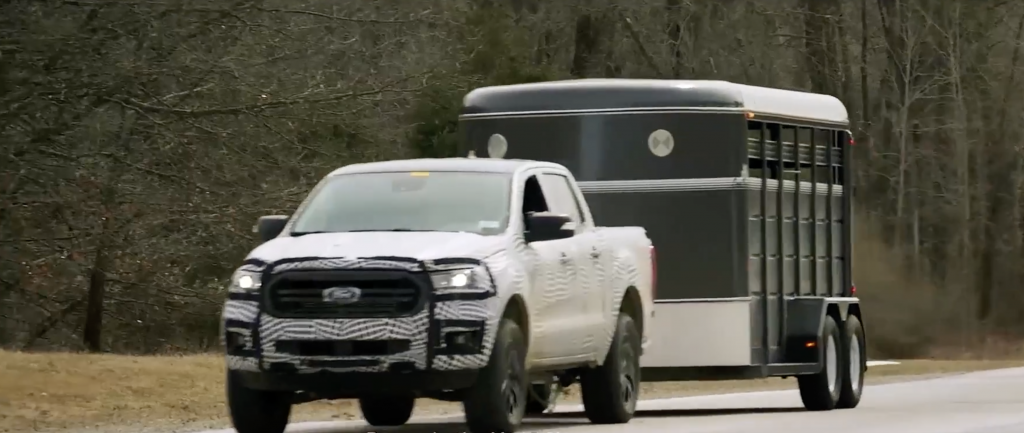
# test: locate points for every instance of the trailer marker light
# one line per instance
(750, 115)
(419, 174)
(811, 344)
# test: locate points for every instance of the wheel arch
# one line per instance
(632, 305)
(515, 310)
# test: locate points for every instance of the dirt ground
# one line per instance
(47, 391)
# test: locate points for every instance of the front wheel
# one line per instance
(387, 411)
(820, 391)
(610, 392)
(497, 401)
(256, 411)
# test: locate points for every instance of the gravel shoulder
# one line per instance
(114, 393)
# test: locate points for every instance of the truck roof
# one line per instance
(610, 95)
(480, 165)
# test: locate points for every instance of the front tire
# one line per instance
(854, 365)
(497, 401)
(820, 391)
(256, 411)
(387, 411)
(610, 392)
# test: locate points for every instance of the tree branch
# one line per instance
(241, 109)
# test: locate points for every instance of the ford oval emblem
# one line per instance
(342, 295)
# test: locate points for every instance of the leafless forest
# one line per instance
(141, 139)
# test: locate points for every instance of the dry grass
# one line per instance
(60, 390)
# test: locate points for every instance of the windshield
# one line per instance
(404, 201)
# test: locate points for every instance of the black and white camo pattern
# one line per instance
(509, 267)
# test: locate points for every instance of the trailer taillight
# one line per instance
(654, 273)
(853, 290)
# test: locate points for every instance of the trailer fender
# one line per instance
(804, 321)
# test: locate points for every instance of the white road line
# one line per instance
(878, 363)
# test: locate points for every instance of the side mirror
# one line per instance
(546, 226)
(270, 226)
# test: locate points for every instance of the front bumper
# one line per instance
(453, 331)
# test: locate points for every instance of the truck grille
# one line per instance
(382, 294)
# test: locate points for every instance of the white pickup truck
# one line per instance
(483, 281)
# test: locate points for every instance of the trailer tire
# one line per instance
(497, 400)
(390, 411)
(854, 363)
(820, 391)
(540, 396)
(610, 391)
(256, 411)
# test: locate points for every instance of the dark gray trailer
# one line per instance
(745, 192)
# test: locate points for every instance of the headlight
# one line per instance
(246, 280)
(456, 279)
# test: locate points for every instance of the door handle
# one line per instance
(564, 259)
(594, 253)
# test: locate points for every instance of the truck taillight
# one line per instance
(654, 273)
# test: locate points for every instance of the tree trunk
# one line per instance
(92, 335)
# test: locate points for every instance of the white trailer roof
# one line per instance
(611, 95)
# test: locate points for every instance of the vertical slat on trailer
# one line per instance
(765, 338)
(847, 153)
(797, 223)
(814, 212)
(828, 212)
(780, 237)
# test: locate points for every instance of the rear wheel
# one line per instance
(610, 392)
(256, 411)
(820, 391)
(387, 411)
(854, 363)
(497, 401)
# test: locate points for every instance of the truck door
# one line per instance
(584, 298)
(554, 285)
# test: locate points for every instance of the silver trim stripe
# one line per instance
(703, 300)
(645, 110)
(703, 184)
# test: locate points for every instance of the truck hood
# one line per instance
(417, 245)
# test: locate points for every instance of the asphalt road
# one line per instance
(982, 402)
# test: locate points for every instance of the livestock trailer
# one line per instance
(746, 194)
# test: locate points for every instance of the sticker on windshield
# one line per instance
(489, 224)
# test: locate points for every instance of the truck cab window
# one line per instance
(563, 199)
(533, 198)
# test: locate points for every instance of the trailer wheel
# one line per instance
(256, 411)
(610, 392)
(497, 400)
(540, 396)
(854, 365)
(820, 391)
(387, 411)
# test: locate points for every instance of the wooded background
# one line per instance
(141, 139)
